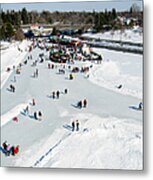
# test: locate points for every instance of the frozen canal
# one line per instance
(108, 120)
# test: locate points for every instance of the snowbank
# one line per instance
(119, 69)
(5, 118)
(12, 57)
(101, 143)
(108, 75)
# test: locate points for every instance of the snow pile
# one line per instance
(12, 57)
(128, 35)
(100, 143)
(119, 69)
(109, 76)
(5, 118)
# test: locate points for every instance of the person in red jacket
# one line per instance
(16, 150)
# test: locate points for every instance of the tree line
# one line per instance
(11, 21)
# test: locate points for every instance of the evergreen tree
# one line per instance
(24, 16)
(9, 32)
(114, 14)
(2, 32)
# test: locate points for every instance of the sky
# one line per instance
(119, 5)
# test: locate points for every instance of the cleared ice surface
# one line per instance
(111, 131)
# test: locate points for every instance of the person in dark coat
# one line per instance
(40, 115)
(5, 145)
(73, 126)
(65, 91)
(36, 73)
(12, 151)
(77, 125)
(33, 102)
(80, 104)
(85, 103)
(35, 115)
(57, 94)
(53, 94)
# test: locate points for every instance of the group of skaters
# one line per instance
(82, 104)
(10, 150)
(56, 94)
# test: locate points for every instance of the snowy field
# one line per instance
(110, 135)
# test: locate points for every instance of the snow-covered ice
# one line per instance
(128, 35)
(110, 134)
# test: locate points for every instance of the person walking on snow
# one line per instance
(77, 125)
(40, 115)
(57, 94)
(36, 72)
(85, 103)
(8, 150)
(12, 151)
(65, 91)
(35, 115)
(33, 102)
(5, 144)
(80, 104)
(73, 126)
(53, 94)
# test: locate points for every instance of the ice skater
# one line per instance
(79, 104)
(53, 94)
(35, 115)
(85, 103)
(36, 73)
(77, 125)
(8, 150)
(57, 94)
(5, 144)
(33, 102)
(65, 91)
(40, 115)
(73, 125)
(140, 106)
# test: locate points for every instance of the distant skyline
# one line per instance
(121, 5)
